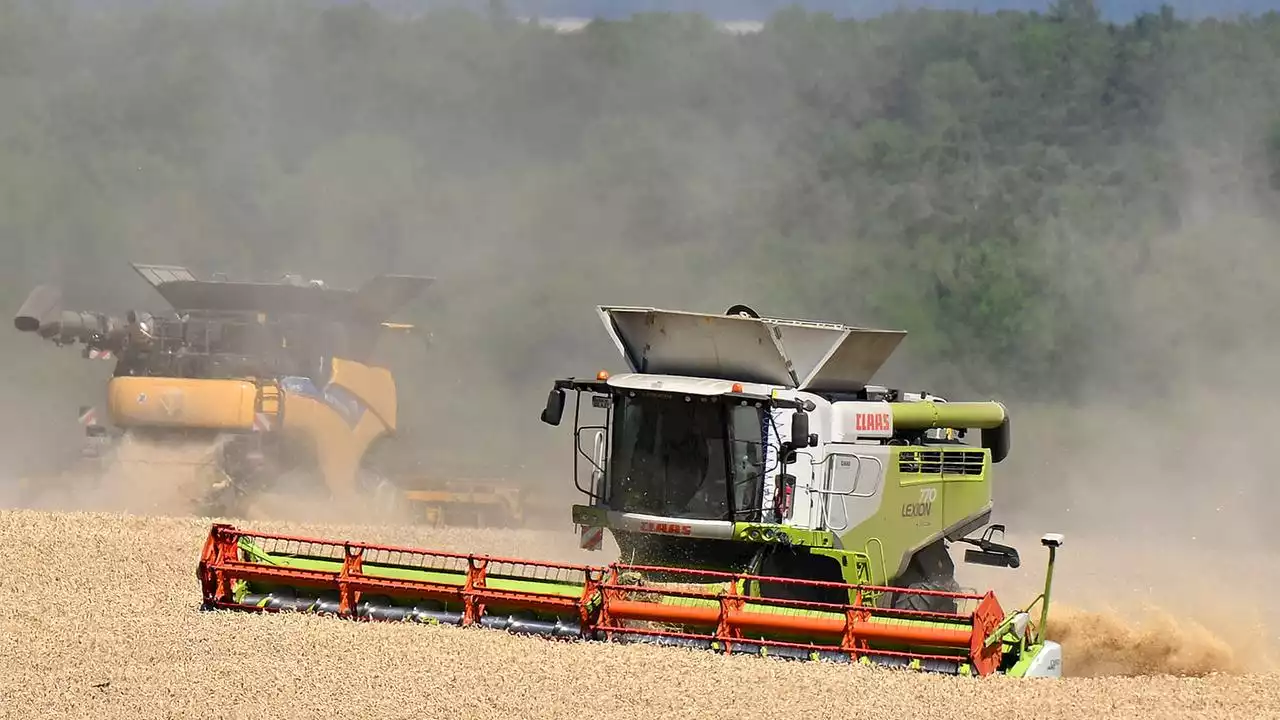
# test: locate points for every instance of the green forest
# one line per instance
(1057, 209)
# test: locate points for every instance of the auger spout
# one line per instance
(990, 417)
(41, 313)
(927, 414)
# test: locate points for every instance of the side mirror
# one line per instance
(800, 430)
(554, 410)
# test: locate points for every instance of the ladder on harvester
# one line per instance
(268, 406)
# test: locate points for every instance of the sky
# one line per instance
(1120, 11)
(1114, 10)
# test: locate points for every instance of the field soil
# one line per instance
(99, 618)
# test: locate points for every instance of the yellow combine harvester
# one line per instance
(244, 387)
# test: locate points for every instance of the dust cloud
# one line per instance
(1102, 644)
(140, 476)
(1156, 471)
(262, 183)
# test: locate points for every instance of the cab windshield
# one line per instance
(695, 459)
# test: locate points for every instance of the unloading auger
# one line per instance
(719, 611)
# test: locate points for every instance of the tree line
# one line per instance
(1035, 197)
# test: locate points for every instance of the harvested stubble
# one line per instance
(100, 619)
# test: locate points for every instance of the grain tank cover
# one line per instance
(374, 301)
(822, 357)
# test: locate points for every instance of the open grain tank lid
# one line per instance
(822, 357)
(375, 301)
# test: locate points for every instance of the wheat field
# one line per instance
(100, 619)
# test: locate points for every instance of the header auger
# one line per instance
(723, 612)
(766, 500)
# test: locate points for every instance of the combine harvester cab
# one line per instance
(766, 500)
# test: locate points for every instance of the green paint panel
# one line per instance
(772, 532)
(926, 491)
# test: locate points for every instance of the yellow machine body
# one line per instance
(340, 436)
(189, 403)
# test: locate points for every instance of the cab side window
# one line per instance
(747, 461)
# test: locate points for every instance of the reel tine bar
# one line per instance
(701, 609)
(825, 630)
(231, 556)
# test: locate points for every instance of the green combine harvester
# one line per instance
(766, 499)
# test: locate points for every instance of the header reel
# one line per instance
(722, 612)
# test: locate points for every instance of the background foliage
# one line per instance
(1057, 208)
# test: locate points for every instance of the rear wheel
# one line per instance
(926, 603)
(383, 494)
(931, 569)
(384, 498)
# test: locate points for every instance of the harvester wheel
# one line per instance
(383, 494)
(931, 569)
(926, 603)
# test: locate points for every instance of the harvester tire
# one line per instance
(931, 569)
(383, 494)
(926, 603)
